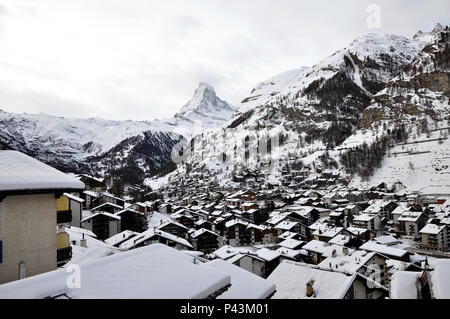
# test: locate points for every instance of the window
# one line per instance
(1, 251)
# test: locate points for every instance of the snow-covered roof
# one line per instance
(129, 210)
(405, 285)
(440, 279)
(410, 216)
(120, 237)
(20, 172)
(364, 218)
(138, 239)
(226, 251)
(91, 193)
(291, 278)
(387, 240)
(133, 273)
(101, 213)
(382, 249)
(202, 231)
(73, 197)
(291, 243)
(107, 204)
(432, 229)
(82, 231)
(286, 225)
(340, 239)
(244, 284)
(267, 254)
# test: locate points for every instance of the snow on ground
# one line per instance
(95, 248)
(427, 172)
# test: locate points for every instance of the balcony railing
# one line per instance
(63, 217)
(63, 254)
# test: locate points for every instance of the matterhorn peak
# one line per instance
(438, 28)
(205, 104)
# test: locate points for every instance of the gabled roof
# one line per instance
(107, 204)
(113, 216)
(202, 231)
(20, 172)
(131, 211)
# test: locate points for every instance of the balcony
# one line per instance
(63, 255)
(64, 217)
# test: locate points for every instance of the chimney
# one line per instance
(309, 288)
(345, 250)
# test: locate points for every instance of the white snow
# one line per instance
(153, 272)
(440, 279)
(244, 284)
(22, 172)
(405, 285)
(291, 278)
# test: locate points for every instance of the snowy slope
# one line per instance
(315, 115)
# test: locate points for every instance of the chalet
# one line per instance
(106, 197)
(103, 224)
(205, 240)
(363, 233)
(173, 228)
(154, 236)
(108, 207)
(165, 208)
(30, 211)
(92, 183)
(132, 220)
(203, 224)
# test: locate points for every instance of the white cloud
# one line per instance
(143, 59)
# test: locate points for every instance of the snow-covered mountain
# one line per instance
(99, 144)
(205, 107)
(318, 115)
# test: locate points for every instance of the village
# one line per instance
(306, 238)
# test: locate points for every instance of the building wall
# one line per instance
(62, 240)
(76, 209)
(28, 232)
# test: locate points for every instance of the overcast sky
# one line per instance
(142, 59)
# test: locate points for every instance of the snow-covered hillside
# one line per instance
(316, 115)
